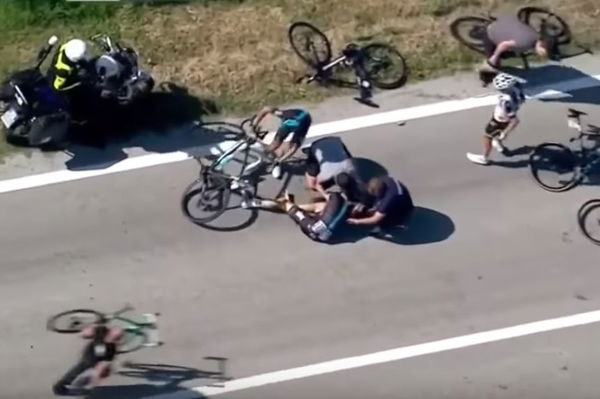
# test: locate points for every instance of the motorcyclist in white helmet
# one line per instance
(69, 69)
(504, 118)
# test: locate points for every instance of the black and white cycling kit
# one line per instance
(505, 111)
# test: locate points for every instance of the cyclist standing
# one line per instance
(97, 355)
(293, 121)
(504, 119)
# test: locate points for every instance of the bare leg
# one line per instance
(487, 146)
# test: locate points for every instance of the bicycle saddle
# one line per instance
(573, 113)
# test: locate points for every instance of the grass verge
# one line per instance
(235, 52)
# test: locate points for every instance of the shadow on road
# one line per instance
(162, 379)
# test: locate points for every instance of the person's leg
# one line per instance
(492, 130)
(100, 372)
(60, 387)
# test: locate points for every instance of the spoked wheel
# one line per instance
(311, 45)
(588, 218)
(73, 321)
(385, 66)
(554, 167)
(555, 26)
(204, 201)
(134, 336)
(471, 32)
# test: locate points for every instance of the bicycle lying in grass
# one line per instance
(556, 167)
(136, 334)
(208, 197)
(588, 218)
(376, 63)
(471, 31)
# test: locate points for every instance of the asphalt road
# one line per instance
(487, 249)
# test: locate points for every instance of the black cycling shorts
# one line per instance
(495, 128)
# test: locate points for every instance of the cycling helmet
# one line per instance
(504, 82)
(76, 50)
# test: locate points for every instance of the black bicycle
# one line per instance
(471, 30)
(137, 334)
(378, 63)
(556, 167)
(588, 218)
(208, 197)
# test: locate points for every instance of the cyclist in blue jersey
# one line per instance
(293, 121)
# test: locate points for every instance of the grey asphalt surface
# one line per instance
(487, 249)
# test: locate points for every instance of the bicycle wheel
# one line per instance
(384, 65)
(555, 25)
(134, 336)
(588, 218)
(554, 167)
(203, 202)
(311, 45)
(470, 31)
(73, 321)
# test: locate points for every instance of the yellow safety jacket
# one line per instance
(63, 72)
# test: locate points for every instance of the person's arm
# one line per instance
(514, 122)
(374, 219)
(319, 188)
(501, 48)
(88, 332)
(261, 115)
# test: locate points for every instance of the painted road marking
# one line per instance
(323, 129)
(386, 356)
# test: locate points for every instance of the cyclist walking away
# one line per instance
(508, 34)
(393, 205)
(97, 356)
(504, 118)
(293, 121)
(319, 221)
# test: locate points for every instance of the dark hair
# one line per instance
(345, 181)
(376, 187)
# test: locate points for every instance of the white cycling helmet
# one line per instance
(504, 82)
(76, 50)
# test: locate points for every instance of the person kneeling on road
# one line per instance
(504, 119)
(319, 221)
(97, 355)
(327, 158)
(293, 121)
(393, 205)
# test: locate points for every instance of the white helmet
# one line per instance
(504, 82)
(76, 50)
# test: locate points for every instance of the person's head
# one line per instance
(346, 182)
(76, 50)
(376, 187)
(505, 83)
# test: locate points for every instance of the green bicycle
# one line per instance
(137, 334)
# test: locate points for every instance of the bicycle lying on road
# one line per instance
(208, 197)
(588, 218)
(471, 31)
(556, 167)
(137, 334)
(379, 63)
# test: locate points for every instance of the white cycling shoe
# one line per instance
(477, 158)
(276, 172)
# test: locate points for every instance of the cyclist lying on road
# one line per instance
(97, 355)
(293, 121)
(504, 119)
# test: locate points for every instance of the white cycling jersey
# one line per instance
(508, 106)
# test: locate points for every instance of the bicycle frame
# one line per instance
(574, 122)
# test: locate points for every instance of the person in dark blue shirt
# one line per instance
(393, 204)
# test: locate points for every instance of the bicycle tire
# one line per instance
(372, 61)
(475, 29)
(561, 156)
(582, 217)
(218, 184)
(560, 30)
(134, 336)
(313, 57)
(74, 326)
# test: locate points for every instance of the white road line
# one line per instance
(344, 125)
(386, 356)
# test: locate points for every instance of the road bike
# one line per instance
(588, 218)
(470, 31)
(378, 63)
(137, 334)
(556, 167)
(208, 197)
